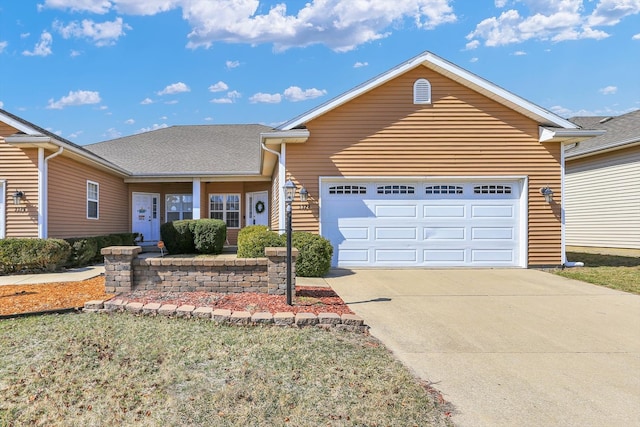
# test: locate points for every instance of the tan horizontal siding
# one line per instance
(463, 133)
(603, 200)
(68, 200)
(19, 168)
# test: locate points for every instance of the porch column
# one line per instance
(196, 198)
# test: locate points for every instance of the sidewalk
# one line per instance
(70, 275)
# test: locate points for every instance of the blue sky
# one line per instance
(93, 70)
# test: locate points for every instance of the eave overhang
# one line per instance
(567, 136)
(293, 136)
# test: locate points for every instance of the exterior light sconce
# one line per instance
(547, 193)
(304, 195)
(17, 197)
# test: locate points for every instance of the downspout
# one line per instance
(565, 263)
(281, 219)
(43, 192)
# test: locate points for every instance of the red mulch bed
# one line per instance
(20, 299)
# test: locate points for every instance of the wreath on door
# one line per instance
(259, 206)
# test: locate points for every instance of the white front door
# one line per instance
(144, 216)
(423, 223)
(258, 208)
(3, 212)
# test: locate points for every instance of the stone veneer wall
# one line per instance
(125, 272)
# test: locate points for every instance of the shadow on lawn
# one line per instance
(599, 260)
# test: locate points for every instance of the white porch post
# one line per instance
(196, 198)
(42, 195)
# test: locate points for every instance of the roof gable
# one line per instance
(441, 66)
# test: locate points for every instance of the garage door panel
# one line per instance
(445, 211)
(452, 228)
(444, 233)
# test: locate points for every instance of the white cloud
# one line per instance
(474, 59)
(172, 102)
(218, 87)
(232, 64)
(609, 90)
(500, 3)
(295, 94)
(1, 104)
(175, 88)
(554, 20)
(130, 121)
(230, 98)
(112, 133)
(3, 46)
(636, 37)
(611, 12)
(80, 97)
(102, 34)
(43, 47)
(266, 98)
(75, 53)
(360, 64)
(341, 25)
(519, 53)
(146, 101)
(152, 127)
(24, 35)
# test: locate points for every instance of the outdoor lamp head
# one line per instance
(547, 193)
(17, 197)
(289, 191)
(304, 194)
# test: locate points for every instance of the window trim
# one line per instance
(225, 210)
(96, 200)
(182, 211)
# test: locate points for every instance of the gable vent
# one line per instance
(422, 92)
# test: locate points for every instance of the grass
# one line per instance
(615, 272)
(98, 369)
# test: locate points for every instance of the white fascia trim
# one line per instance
(432, 61)
(620, 145)
(277, 137)
(567, 135)
(338, 178)
(16, 124)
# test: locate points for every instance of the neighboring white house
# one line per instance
(602, 184)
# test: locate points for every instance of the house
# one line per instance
(426, 164)
(603, 184)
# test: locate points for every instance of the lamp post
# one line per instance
(289, 193)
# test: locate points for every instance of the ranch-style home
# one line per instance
(425, 165)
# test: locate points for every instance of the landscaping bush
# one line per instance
(314, 254)
(254, 240)
(86, 250)
(178, 237)
(209, 235)
(190, 236)
(18, 255)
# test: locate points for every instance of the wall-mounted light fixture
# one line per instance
(547, 193)
(304, 194)
(17, 197)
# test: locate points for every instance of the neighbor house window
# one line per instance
(225, 207)
(93, 194)
(178, 206)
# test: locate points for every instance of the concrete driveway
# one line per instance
(508, 347)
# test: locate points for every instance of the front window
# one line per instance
(225, 207)
(93, 194)
(179, 206)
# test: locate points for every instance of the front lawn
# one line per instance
(616, 272)
(99, 369)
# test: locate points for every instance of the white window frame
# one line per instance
(182, 202)
(95, 200)
(225, 209)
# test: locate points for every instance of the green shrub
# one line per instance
(178, 237)
(83, 251)
(253, 241)
(18, 255)
(209, 235)
(314, 254)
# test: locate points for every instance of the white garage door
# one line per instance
(431, 224)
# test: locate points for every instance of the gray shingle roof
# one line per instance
(620, 131)
(187, 150)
